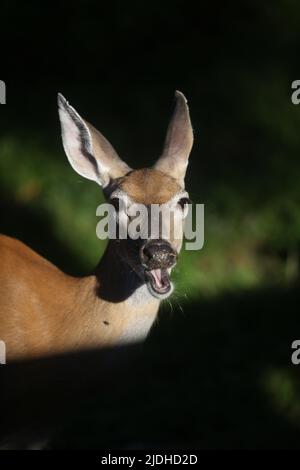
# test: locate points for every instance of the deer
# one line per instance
(45, 311)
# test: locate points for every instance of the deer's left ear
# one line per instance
(178, 143)
(88, 152)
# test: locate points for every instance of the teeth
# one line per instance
(160, 280)
(157, 275)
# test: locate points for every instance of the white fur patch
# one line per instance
(137, 328)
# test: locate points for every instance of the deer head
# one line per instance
(91, 155)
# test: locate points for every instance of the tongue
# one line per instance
(157, 276)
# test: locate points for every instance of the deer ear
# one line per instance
(178, 143)
(88, 152)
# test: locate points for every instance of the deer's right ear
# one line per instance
(88, 152)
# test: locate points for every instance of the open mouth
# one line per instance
(159, 280)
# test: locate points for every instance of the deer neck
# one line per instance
(117, 282)
(122, 304)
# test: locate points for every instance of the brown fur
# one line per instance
(45, 311)
(149, 185)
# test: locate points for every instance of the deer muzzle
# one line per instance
(158, 256)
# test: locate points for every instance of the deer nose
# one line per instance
(158, 254)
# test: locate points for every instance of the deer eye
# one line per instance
(115, 201)
(183, 202)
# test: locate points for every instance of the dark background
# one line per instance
(219, 359)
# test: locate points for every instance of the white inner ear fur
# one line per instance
(78, 146)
